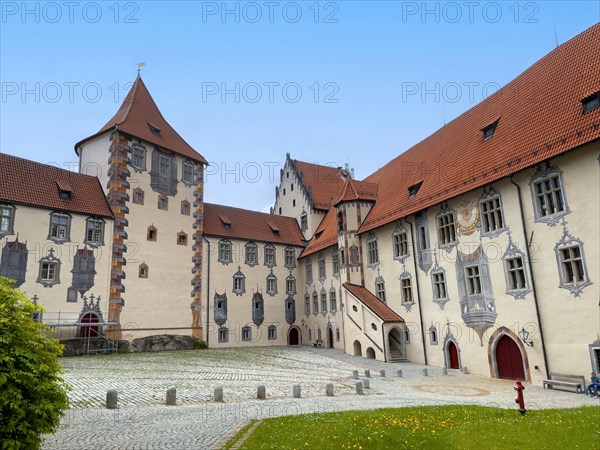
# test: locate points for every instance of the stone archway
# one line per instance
(329, 337)
(87, 329)
(370, 353)
(507, 356)
(397, 345)
(294, 336)
(452, 358)
(357, 348)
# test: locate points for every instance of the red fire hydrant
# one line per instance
(520, 399)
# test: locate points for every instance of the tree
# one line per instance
(32, 393)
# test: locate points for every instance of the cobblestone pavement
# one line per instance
(141, 422)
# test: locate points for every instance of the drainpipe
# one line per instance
(533, 289)
(422, 324)
(383, 338)
(207, 291)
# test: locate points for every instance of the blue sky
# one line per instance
(245, 82)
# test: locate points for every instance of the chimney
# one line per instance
(352, 173)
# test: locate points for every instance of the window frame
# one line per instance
(473, 281)
(372, 251)
(223, 335)
(187, 171)
(495, 212)
(290, 258)
(539, 206)
(332, 300)
(67, 226)
(270, 255)
(308, 269)
(290, 285)
(141, 151)
(246, 334)
(272, 333)
(271, 284)
(251, 254)
(140, 192)
(10, 230)
(315, 303)
(324, 305)
(380, 289)
(321, 267)
(445, 222)
(240, 278)
(98, 221)
(303, 221)
(400, 244)
(225, 251)
(185, 208)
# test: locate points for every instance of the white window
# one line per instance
(515, 271)
(406, 290)
(446, 228)
(225, 252)
(491, 214)
(164, 166)
(373, 252)
(7, 215)
(59, 227)
(290, 285)
(49, 271)
(400, 244)
(473, 280)
(290, 258)
(572, 267)
(549, 196)
(439, 285)
(239, 283)
(251, 254)
(138, 158)
(271, 285)
(187, 173)
(95, 232)
(270, 255)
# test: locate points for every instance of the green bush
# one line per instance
(32, 393)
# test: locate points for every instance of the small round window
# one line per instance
(354, 308)
(374, 326)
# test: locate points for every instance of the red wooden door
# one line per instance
(88, 330)
(293, 337)
(330, 334)
(453, 355)
(509, 360)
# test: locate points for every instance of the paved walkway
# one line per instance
(197, 422)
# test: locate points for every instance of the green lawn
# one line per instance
(432, 427)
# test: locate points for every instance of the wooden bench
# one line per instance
(576, 382)
(318, 343)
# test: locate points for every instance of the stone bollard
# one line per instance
(367, 373)
(359, 388)
(296, 390)
(399, 373)
(366, 383)
(425, 374)
(464, 370)
(445, 371)
(355, 374)
(261, 393)
(171, 397)
(219, 394)
(382, 373)
(329, 390)
(112, 400)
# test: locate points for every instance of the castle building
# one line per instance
(476, 250)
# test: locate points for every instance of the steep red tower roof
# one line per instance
(357, 190)
(139, 116)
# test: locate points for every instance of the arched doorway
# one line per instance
(329, 337)
(509, 360)
(293, 336)
(397, 345)
(357, 348)
(86, 330)
(452, 355)
(370, 353)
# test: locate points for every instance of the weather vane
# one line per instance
(140, 65)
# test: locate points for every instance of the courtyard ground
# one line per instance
(197, 422)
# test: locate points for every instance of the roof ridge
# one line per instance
(47, 165)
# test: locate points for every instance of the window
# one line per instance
(280, 211)
(373, 326)
(246, 334)
(489, 130)
(272, 332)
(308, 269)
(64, 194)
(335, 259)
(143, 271)
(340, 221)
(95, 232)
(290, 258)
(84, 271)
(187, 172)
(491, 214)
(515, 273)
(422, 233)
(283, 191)
(590, 103)
(323, 301)
(163, 202)
(251, 254)
(438, 279)
(414, 189)
(294, 203)
(239, 283)
(354, 255)
(306, 304)
(406, 290)
(337, 335)
(152, 233)
(138, 158)
(223, 334)
(225, 252)
(303, 221)
(400, 244)
(182, 238)
(290, 285)
(154, 130)
(372, 251)
(59, 227)
(343, 257)
(572, 267)
(446, 228)
(7, 219)
(473, 280)
(185, 208)
(271, 284)
(309, 334)
(292, 187)
(333, 300)
(321, 264)
(13, 264)
(549, 196)
(315, 303)
(270, 255)
(138, 196)
(380, 289)
(164, 166)
(433, 335)
(49, 272)
(407, 335)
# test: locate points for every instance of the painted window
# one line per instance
(315, 303)
(372, 250)
(182, 238)
(322, 268)
(335, 259)
(138, 196)
(60, 225)
(225, 251)
(290, 258)
(272, 332)
(515, 271)
(323, 301)
(400, 244)
(7, 219)
(549, 196)
(308, 269)
(354, 259)
(422, 234)
(406, 290)
(439, 285)
(94, 235)
(223, 334)
(187, 172)
(270, 260)
(307, 305)
(164, 166)
(163, 202)
(246, 334)
(473, 280)
(303, 221)
(239, 283)
(572, 265)
(84, 270)
(271, 284)
(251, 254)
(49, 271)
(333, 300)
(13, 264)
(380, 289)
(143, 271)
(492, 218)
(138, 158)
(446, 228)
(152, 233)
(290, 285)
(185, 207)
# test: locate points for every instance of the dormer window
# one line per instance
(412, 190)
(488, 131)
(225, 221)
(154, 129)
(592, 102)
(274, 228)
(64, 190)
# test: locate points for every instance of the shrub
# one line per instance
(32, 393)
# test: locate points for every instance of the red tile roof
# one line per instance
(326, 232)
(323, 182)
(380, 309)
(251, 225)
(137, 115)
(30, 183)
(540, 116)
(357, 190)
